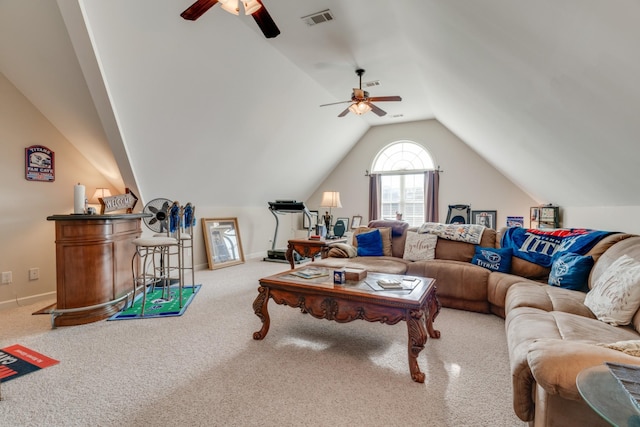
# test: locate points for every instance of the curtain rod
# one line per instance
(367, 173)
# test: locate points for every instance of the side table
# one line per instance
(602, 392)
(309, 248)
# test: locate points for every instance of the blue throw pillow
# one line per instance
(570, 271)
(370, 244)
(493, 259)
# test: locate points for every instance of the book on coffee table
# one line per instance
(310, 273)
(390, 284)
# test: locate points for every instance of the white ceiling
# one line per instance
(546, 91)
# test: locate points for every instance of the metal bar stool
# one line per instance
(154, 254)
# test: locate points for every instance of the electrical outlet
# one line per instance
(7, 277)
(34, 273)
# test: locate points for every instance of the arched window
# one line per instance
(402, 166)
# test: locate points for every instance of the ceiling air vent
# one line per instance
(318, 18)
(371, 84)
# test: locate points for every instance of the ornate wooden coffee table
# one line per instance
(356, 300)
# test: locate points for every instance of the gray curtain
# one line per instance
(431, 194)
(375, 182)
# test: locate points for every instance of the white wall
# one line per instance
(466, 177)
(612, 218)
(28, 239)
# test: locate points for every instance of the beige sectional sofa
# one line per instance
(551, 334)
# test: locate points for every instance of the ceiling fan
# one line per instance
(254, 8)
(361, 102)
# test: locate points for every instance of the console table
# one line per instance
(93, 265)
(309, 248)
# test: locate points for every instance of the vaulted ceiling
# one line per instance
(546, 91)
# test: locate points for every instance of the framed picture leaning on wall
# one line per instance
(486, 218)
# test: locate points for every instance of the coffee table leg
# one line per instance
(417, 339)
(260, 308)
(434, 308)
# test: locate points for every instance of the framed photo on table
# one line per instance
(356, 221)
(345, 221)
(486, 218)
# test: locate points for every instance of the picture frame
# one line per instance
(222, 242)
(345, 221)
(486, 218)
(356, 221)
(314, 220)
(534, 216)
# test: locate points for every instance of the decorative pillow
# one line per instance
(631, 347)
(419, 247)
(571, 271)
(615, 296)
(370, 244)
(493, 259)
(385, 232)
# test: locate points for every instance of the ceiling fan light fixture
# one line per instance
(360, 108)
(251, 6)
(230, 6)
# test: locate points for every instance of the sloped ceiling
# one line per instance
(546, 91)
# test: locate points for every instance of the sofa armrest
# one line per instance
(555, 363)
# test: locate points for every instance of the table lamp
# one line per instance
(330, 199)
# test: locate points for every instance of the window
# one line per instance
(401, 166)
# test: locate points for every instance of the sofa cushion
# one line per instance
(460, 285)
(385, 234)
(370, 243)
(419, 247)
(378, 264)
(493, 259)
(461, 251)
(571, 271)
(615, 296)
(544, 297)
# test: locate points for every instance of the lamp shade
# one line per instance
(331, 199)
(360, 108)
(230, 6)
(100, 193)
(251, 6)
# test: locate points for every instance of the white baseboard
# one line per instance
(31, 299)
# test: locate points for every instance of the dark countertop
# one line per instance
(75, 217)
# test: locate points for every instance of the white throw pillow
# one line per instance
(615, 296)
(419, 247)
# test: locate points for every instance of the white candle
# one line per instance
(78, 199)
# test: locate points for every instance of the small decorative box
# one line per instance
(355, 274)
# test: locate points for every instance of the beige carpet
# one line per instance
(205, 369)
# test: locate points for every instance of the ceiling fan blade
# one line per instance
(345, 112)
(264, 21)
(377, 110)
(385, 98)
(197, 9)
(334, 103)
